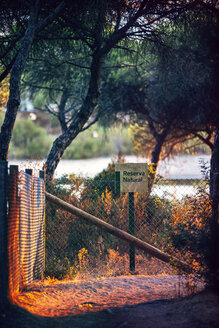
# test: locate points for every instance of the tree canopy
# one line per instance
(51, 34)
(172, 89)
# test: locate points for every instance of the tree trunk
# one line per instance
(14, 95)
(213, 255)
(160, 139)
(154, 162)
(17, 69)
(61, 113)
(89, 104)
(62, 105)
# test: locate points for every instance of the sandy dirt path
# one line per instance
(64, 298)
(79, 307)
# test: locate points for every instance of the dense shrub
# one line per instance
(177, 227)
(188, 230)
(67, 234)
(29, 140)
(96, 142)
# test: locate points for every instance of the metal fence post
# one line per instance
(3, 236)
(131, 231)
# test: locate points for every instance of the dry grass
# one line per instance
(112, 264)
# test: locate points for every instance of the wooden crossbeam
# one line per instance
(149, 249)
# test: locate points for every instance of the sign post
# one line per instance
(131, 231)
(131, 178)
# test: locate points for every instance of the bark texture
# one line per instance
(160, 139)
(61, 113)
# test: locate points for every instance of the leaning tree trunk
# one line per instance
(89, 104)
(33, 27)
(160, 139)
(213, 256)
(14, 95)
(154, 162)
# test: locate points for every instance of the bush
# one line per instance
(94, 142)
(29, 140)
(188, 231)
(67, 234)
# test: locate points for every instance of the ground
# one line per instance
(70, 297)
(195, 311)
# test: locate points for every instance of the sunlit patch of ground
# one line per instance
(61, 298)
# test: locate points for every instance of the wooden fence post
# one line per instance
(3, 236)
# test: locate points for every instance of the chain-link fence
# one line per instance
(172, 218)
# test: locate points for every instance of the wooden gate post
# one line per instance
(3, 236)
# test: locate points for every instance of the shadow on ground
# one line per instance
(197, 311)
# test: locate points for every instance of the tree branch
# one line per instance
(41, 87)
(207, 140)
(50, 17)
(8, 69)
(91, 123)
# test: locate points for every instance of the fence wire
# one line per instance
(172, 218)
(26, 234)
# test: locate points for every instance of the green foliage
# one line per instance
(29, 140)
(59, 268)
(96, 142)
(102, 181)
(32, 141)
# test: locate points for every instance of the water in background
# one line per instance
(179, 167)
